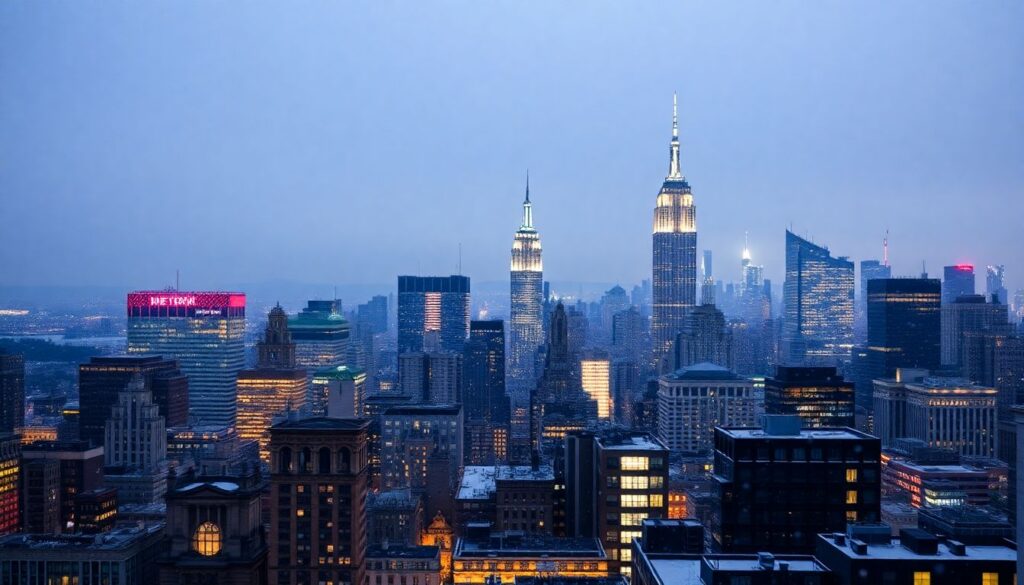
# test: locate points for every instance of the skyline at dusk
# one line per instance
(372, 140)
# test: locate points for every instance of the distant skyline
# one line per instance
(353, 142)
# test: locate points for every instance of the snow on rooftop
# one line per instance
(477, 482)
(756, 433)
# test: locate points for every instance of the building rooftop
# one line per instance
(630, 442)
(403, 552)
(117, 539)
(524, 473)
(938, 385)
(424, 410)
(794, 563)
(392, 499)
(339, 373)
(894, 549)
(322, 423)
(821, 433)
(703, 371)
(944, 469)
(478, 483)
(520, 545)
(677, 570)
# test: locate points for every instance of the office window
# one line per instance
(634, 501)
(634, 482)
(851, 516)
(851, 496)
(851, 476)
(634, 464)
(657, 500)
(632, 518)
(922, 578)
(990, 579)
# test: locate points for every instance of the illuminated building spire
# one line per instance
(746, 249)
(674, 172)
(527, 206)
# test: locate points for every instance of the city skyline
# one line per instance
(750, 116)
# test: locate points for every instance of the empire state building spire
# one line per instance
(674, 169)
(527, 206)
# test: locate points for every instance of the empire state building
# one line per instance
(675, 253)
(526, 332)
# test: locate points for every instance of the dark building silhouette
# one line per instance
(96, 511)
(817, 394)
(904, 317)
(486, 406)
(40, 496)
(957, 281)
(80, 469)
(428, 304)
(100, 381)
(318, 487)
(12, 391)
(777, 487)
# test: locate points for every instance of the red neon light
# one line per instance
(179, 299)
(965, 267)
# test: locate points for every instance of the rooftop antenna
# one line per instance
(177, 280)
(885, 249)
(924, 270)
(460, 258)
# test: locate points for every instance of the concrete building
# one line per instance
(413, 565)
(694, 400)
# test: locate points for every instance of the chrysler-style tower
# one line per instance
(526, 331)
(675, 252)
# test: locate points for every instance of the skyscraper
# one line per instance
(871, 270)
(957, 280)
(487, 409)
(818, 295)
(12, 392)
(135, 446)
(818, 395)
(204, 331)
(704, 338)
(320, 335)
(967, 320)
(596, 379)
(675, 252)
(10, 483)
(428, 304)
(994, 284)
(526, 329)
(274, 387)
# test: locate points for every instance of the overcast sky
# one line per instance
(349, 142)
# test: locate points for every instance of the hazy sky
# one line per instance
(349, 142)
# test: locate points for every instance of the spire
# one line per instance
(674, 172)
(746, 248)
(527, 206)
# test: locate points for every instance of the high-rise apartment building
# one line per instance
(12, 391)
(817, 394)
(318, 487)
(433, 304)
(675, 253)
(277, 385)
(694, 400)
(777, 487)
(103, 378)
(957, 281)
(321, 336)
(204, 332)
(526, 327)
(818, 312)
(904, 316)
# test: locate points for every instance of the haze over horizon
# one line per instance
(246, 146)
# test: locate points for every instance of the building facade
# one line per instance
(321, 336)
(694, 400)
(526, 313)
(957, 281)
(817, 394)
(12, 391)
(204, 332)
(433, 304)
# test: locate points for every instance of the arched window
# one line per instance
(306, 460)
(324, 463)
(207, 539)
(344, 460)
(284, 460)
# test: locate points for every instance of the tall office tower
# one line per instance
(373, 315)
(321, 336)
(614, 301)
(818, 294)
(957, 281)
(431, 378)
(40, 496)
(428, 304)
(214, 531)
(777, 487)
(614, 481)
(994, 284)
(904, 316)
(596, 380)
(103, 378)
(694, 400)
(80, 470)
(339, 392)
(558, 390)
(964, 321)
(486, 406)
(707, 283)
(753, 347)
(135, 446)
(205, 332)
(411, 435)
(675, 253)
(818, 395)
(704, 338)
(318, 483)
(526, 328)
(10, 483)
(754, 304)
(12, 391)
(630, 335)
(275, 387)
(871, 270)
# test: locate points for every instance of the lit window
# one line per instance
(657, 500)
(627, 536)
(851, 516)
(990, 579)
(631, 518)
(634, 482)
(634, 464)
(207, 539)
(851, 476)
(922, 578)
(634, 501)
(851, 496)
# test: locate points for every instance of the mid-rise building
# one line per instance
(318, 487)
(135, 446)
(419, 565)
(925, 485)
(12, 391)
(394, 517)
(694, 400)
(704, 338)
(80, 470)
(95, 511)
(204, 332)
(103, 378)
(957, 281)
(778, 486)
(818, 294)
(321, 336)
(40, 496)
(411, 435)
(674, 290)
(431, 378)
(277, 385)
(953, 414)
(481, 557)
(433, 304)
(524, 498)
(526, 322)
(338, 392)
(817, 394)
(967, 321)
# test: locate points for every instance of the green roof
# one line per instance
(340, 373)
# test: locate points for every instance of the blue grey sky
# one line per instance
(349, 142)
